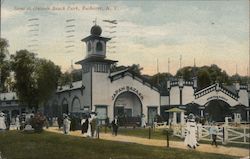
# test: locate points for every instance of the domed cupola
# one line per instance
(96, 30)
(95, 43)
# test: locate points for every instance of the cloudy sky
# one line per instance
(212, 32)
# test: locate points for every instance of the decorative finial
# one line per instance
(95, 21)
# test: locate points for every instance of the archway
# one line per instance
(192, 108)
(65, 106)
(217, 110)
(76, 105)
(127, 104)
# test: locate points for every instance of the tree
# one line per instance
(24, 68)
(187, 73)
(203, 79)
(136, 69)
(160, 79)
(4, 63)
(36, 78)
(47, 76)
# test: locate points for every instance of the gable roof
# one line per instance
(127, 72)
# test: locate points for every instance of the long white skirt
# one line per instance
(2, 123)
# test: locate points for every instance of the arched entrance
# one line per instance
(75, 106)
(192, 108)
(127, 104)
(217, 110)
(65, 106)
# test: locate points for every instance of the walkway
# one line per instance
(233, 151)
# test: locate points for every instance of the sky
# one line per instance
(178, 31)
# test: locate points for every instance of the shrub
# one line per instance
(38, 122)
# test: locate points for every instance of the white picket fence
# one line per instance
(226, 134)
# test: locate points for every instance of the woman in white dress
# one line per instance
(2, 121)
(191, 129)
(89, 127)
(17, 123)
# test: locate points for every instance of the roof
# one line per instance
(90, 37)
(127, 72)
(231, 88)
(96, 59)
(118, 72)
(175, 110)
(8, 96)
(73, 86)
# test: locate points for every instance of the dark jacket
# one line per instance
(85, 126)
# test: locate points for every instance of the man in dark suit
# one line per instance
(115, 126)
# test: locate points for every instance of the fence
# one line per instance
(226, 134)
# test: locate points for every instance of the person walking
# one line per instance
(191, 129)
(93, 124)
(115, 126)
(214, 131)
(85, 124)
(17, 123)
(2, 122)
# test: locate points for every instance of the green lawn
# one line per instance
(17, 145)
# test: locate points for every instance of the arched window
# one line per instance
(89, 46)
(76, 106)
(99, 46)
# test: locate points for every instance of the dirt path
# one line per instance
(233, 151)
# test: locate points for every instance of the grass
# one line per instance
(18, 145)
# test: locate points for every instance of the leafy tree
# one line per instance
(203, 79)
(4, 63)
(65, 79)
(36, 78)
(136, 68)
(47, 75)
(187, 73)
(161, 79)
(24, 68)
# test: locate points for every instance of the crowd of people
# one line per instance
(89, 124)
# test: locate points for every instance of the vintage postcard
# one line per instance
(123, 79)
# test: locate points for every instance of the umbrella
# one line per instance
(177, 110)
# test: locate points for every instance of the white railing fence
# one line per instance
(226, 134)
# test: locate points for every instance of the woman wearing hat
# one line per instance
(191, 129)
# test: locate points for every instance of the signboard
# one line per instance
(127, 88)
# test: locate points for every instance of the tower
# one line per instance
(95, 68)
(95, 43)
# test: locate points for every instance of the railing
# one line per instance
(226, 134)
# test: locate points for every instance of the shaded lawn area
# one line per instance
(18, 145)
(159, 134)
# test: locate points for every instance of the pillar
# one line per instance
(202, 113)
(248, 115)
(182, 118)
(174, 118)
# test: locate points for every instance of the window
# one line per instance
(101, 68)
(89, 46)
(99, 46)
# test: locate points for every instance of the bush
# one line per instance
(38, 121)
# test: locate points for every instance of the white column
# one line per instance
(202, 113)
(248, 115)
(174, 118)
(182, 118)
